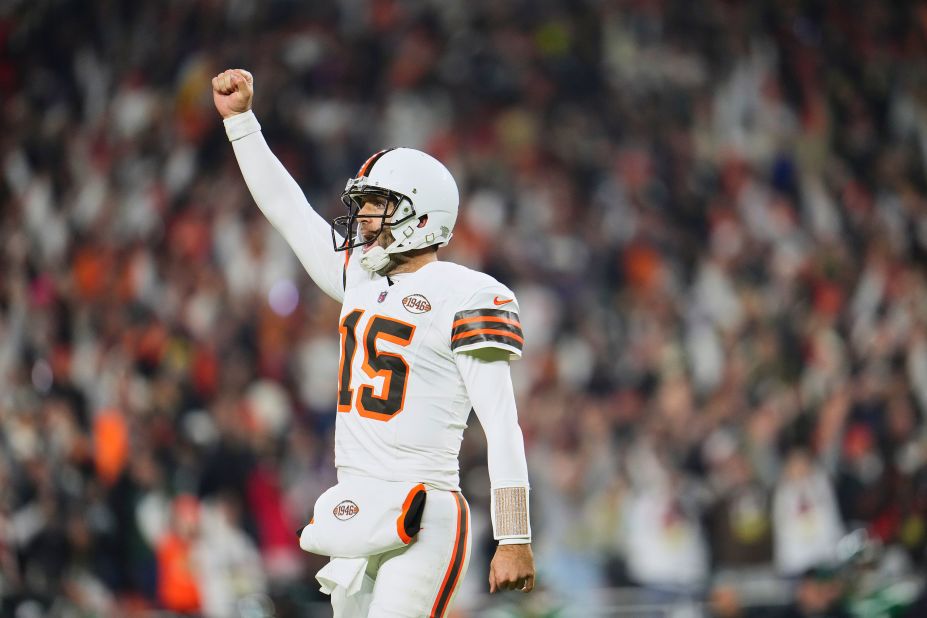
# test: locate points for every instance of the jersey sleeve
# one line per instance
(283, 203)
(488, 319)
(489, 387)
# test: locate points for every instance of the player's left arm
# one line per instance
(486, 374)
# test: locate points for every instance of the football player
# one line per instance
(422, 342)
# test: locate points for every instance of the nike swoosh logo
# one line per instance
(501, 301)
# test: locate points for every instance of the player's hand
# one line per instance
(512, 568)
(232, 91)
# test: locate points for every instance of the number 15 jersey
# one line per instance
(402, 404)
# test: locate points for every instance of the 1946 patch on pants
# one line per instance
(422, 578)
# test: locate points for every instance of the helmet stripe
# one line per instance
(368, 164)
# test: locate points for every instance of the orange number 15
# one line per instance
(391, 367)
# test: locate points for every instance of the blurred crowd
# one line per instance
(713, 213)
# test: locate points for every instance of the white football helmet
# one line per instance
(426, 199)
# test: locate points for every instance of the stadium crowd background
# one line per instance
(714, 215)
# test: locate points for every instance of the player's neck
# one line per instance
(413, 263)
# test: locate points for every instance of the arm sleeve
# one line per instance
(489, 386)
(488, 319)
(283, 203)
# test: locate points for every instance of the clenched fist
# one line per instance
(232, 91)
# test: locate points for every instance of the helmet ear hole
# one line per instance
(422, 221)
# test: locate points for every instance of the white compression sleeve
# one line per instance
(489, 386)
(283, 203)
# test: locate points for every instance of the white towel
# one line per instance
(346, 573)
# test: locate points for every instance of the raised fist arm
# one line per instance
(232, 91)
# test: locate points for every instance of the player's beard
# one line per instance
(384, 240)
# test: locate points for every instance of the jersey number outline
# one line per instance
(393, 368)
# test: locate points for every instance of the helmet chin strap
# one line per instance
(375, 260)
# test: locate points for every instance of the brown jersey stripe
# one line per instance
(488, 322)
(458, 556)
(485, 314)
(472, 338)
(476, 327)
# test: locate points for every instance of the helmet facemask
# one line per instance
(398, 210)
(422, 205)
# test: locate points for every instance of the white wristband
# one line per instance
(510, 517)
(241, 125)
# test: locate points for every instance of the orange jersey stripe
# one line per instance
(488, 331)
(486, 318)
(344, 271)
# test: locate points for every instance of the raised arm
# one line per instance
(274, 190)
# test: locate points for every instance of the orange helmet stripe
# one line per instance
(368, 164)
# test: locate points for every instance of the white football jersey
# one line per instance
(402, 405)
